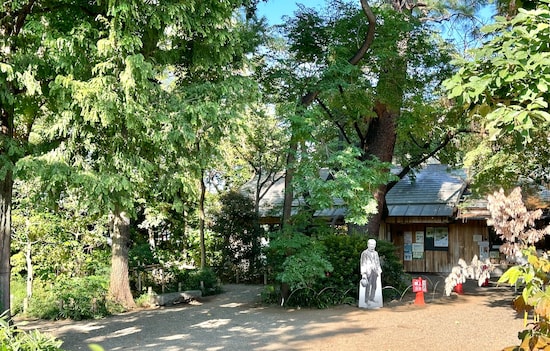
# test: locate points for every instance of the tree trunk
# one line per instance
(119, 285)
(308, 100)
(382, 132)
(201, 222)
(30, 273)
(381, 139)
(289, 176)
(6, 188)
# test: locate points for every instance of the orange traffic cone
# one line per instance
(458, 289)
(419, 299)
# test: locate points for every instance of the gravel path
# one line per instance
(480, 319)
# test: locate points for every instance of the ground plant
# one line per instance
(521, 231)
(332, 274)
(344, 251)
(72, 298)
(13, 339)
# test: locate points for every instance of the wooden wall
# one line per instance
(461, 243)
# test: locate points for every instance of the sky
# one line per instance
(274, 10)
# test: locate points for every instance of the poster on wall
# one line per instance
(483, 250)
(418, 250)
(407, 252)
(441, 237)
(419, 237)
(408, 237)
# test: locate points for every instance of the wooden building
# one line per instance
(428, 220)
(426, 226)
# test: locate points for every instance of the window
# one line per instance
(437, 238)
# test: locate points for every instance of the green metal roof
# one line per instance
(434, 191)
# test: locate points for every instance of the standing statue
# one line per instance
(370, 288)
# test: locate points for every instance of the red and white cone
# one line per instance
(458, 289)
(419, 299)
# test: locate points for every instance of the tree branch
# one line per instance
(311, 96)
(370, 34)
(329, 113)
(360, 134)
(22, 15)
(446, 140)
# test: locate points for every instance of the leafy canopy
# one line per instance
(505, 90)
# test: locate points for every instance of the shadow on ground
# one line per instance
(236, 320)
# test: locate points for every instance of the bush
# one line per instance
(18, 293)
(207, 277)
(174, 278)
(344, 253)
(237, 235)
(299, 264)
(72, 298)
(330, 274)
(12, 339)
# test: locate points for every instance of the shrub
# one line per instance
(207, 277)
(330, 274)
(344, 252)
(72, 298)
(299, 263)
(12, 339)
(18, 293)
(238, 235)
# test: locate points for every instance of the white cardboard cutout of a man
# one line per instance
(370, 287)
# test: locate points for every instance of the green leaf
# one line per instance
(95, 347)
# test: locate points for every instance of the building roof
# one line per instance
(433, 191)
(272, 202)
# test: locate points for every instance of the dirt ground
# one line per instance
(480, 319)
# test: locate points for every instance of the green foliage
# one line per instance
(535, 298)
(352, 181)
(13, 339)
(141, 254)
(60, 242)
(18, 293)
(324, 271)
(72, 298)
(505, 90)
(239, 233)
(297, 260)
(304, 269)
(402, 71)
(344, 253)
(207, 276)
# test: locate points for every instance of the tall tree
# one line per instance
(100, 86)
(262, 152)
(30, 58)
(358, 105)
